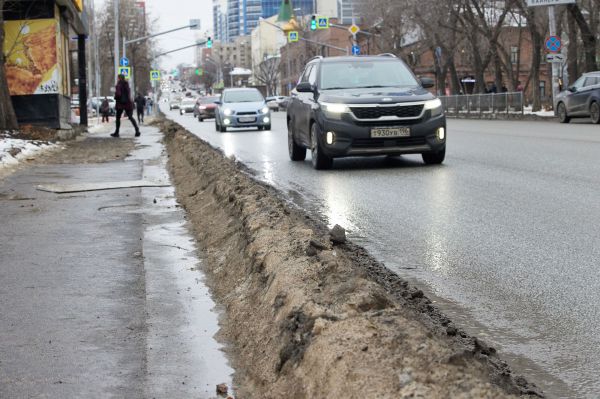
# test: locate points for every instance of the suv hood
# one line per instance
(244, 107)
(376, 95)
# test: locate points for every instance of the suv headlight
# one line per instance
(334, 110)
(435, 106)
(227, 112)
(264, 110)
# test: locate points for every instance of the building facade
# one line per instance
(301, 7)
(43, 71)
(220, 20)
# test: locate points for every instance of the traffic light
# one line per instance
(313, 22)
(209, 42)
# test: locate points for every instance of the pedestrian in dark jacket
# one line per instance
(105, 110)
(124, 104)
(140, 103)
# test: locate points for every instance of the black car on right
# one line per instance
(363, 105)
(581, 99)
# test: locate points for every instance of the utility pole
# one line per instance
(116, 18)
(552, 31)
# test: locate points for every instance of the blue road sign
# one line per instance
(355, 50)
(293, 36)
(125, 71)
(124, 61)
(322, 22)
(553, 44)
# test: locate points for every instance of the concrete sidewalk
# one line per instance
(101, 292)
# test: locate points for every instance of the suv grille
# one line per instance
(395, 142)
(400, 111)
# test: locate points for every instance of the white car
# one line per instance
(276, 103)
(187, 105)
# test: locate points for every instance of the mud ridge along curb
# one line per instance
(308, 317)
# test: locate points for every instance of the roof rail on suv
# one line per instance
(387, 55)
(316, 57)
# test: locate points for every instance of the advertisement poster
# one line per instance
(31, 57)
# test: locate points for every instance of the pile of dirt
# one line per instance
(307, 318)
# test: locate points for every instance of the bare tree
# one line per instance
(267, 73)
(8, 121)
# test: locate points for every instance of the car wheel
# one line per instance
(200, 119)
(434, 158)
(319, 159)
(267, 127)
(595, 112)
(296, 152)
(222, 129)
(562, 113)
(217, 127)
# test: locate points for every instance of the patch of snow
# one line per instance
(527, 110)
(12, 150)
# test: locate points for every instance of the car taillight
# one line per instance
(202, 107)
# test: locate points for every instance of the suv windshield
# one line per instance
(242, 96)
(365, 74)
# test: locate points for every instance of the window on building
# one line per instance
(542, 88)
(514, 55)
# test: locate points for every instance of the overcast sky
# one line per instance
(173, 14)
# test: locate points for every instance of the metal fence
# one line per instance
(483, 104)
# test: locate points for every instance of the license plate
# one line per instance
(244, 119)
(390, 132)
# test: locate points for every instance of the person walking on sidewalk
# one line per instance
(140, 103)
(105, 109)
(124, 104)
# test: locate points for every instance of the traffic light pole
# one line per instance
(181, 48)
(139, 39)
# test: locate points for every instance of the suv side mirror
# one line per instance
(218, 102)
(573, 89)
(427, 83)
(305, 87)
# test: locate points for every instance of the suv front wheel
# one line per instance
(434, 158)
(319, 159)
(296, 152)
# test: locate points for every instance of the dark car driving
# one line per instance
(581, 99)
(371, 105)
(205, 108)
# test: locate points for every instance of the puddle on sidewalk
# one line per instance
(183, 357)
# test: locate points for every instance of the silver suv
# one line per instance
(582, 99)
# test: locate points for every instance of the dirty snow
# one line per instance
(549, 114)
(12, 150)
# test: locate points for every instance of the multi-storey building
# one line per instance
(220, 20)
(242, 17)
(346, 11)
(302, 7)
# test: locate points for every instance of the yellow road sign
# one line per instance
(354, 29)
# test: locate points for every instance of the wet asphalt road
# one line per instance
(504, 234)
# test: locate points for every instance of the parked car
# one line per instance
(187, 105)
(242, 108)
(205, 108)
(581, 99)
(371, 105)
(98, 101)
(275, 103)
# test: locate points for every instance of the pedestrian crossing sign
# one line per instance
(154, 75)
(293, 36)
(125, 71)
(322, 22)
